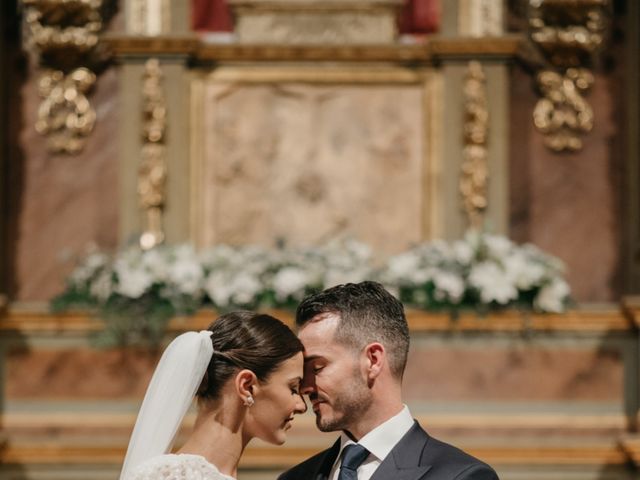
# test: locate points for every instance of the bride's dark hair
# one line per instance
(250, 340)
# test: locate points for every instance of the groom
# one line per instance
(356, 342)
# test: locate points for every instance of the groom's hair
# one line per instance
(368, 313)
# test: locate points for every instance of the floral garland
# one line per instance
(136, 292)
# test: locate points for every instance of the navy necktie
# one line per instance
(352, 457)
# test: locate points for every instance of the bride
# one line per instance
(245, 371)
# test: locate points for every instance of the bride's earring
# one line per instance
(248, 402)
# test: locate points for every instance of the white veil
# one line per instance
(169, 395)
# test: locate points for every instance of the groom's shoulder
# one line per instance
(451, 461)
(304, 469)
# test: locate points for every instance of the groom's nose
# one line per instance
(308, 385)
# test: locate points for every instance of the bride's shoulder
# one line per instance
(177, 467)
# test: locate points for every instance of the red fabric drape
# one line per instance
(211, 16)
(420, 16)
(417, 16)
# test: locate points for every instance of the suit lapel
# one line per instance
(404, 461)
(326, 462)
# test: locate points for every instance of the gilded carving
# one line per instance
(569, 34)
(64, 34)
(65, 115)
(152, 173)
(563, 114)
(56, 27)
(474, 172)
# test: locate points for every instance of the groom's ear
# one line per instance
(374, 357)
(245, 383)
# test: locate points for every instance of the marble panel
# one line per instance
(313, 21)
(305, 163)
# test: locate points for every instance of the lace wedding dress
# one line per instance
(177, 467)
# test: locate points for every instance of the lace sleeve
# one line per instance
(177, 467)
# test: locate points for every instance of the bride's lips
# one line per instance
(287, 423)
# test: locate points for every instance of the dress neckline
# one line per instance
(200, 457)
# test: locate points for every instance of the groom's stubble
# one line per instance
(347, 405)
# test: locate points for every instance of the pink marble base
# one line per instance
(509, 374)
(65, 202)
(569, 203)
(78, 374)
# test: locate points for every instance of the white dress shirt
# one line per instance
(379, 441)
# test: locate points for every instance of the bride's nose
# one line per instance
(301, 405)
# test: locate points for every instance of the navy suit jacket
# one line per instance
(416, 456)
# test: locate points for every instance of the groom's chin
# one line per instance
(324, 425)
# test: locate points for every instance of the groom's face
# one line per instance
(333, 378)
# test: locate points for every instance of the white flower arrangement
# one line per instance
(136, 291)
(481, 271)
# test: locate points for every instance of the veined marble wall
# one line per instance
(570, 205)
(305, 163)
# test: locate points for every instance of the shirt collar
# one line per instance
(381, 440)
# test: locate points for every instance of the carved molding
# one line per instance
(152, 173)
(34, 319)
(475, 171)
(569, 35)
(436, 49)
(64, 35)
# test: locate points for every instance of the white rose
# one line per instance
(288, 281)
(498, 247)
(186, 275)
(462, 253)
(552, 296)
(245, 288)
(132, 282)
(492, 283)
(219, 289)
(448, 286)
(101, 287)
(525, 272)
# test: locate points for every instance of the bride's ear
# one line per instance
(246, 384)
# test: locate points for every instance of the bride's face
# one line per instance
(276, 402)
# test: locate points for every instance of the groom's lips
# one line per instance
(316, 404)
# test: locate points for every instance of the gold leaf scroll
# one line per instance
(65, 115)
(64, 33)
(474, 173)
(152, 173)
(563, 114)
(569, 34)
